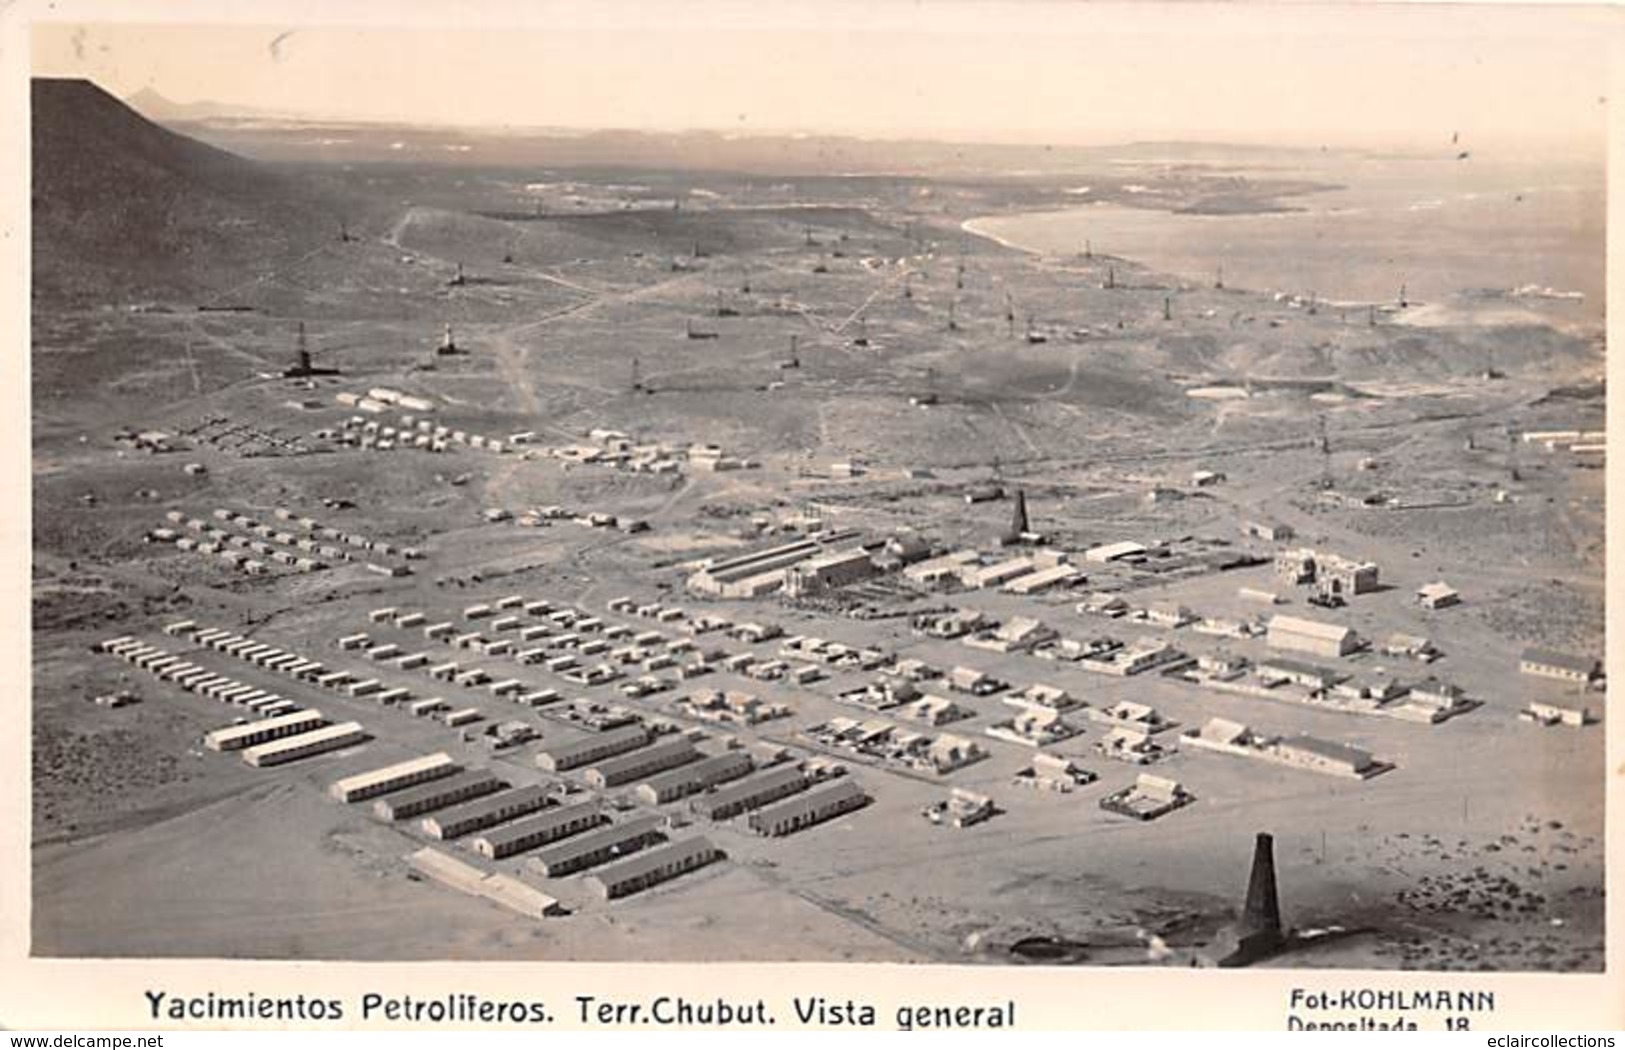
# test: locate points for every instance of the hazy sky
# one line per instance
(1025, 71)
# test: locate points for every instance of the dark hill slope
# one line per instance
(124, 209)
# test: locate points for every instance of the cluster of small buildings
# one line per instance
(876, 738)
(537, 517)
(381, 399)
(617, 449)
(193, 678)
(250, 555)
(730, 707)
(409, 432)
(285, 732)
(297, 542)
(1428, 701)
(1578, 442)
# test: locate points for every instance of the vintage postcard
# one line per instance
(1090, 502)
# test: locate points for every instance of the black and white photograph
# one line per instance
(1014, 484)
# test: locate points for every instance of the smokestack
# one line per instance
(1261, 918)
(1018, 520)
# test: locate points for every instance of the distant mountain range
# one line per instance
(282, 136)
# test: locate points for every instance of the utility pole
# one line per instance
(1325, 456)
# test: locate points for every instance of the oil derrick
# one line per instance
(344, 232)
(723, 309)
(1033, 334)
(908, 286)
(959, 276)
(1111, 277)
(953, 315)
(1260, 933)
(448, 345)
(1009, 314)
(1088, 250)
(744, 284)
(1167, 308)
(1314, 305)
(303, 366)
(459, 280)
(1404, 300)
(1218, 278)
(863, 332)
(637, 378)
(795, 354)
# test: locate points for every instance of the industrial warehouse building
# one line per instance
(588, 850)
(363, 786)
(315, 742)
(653, 866)
(1548, 663)
(819, 804)
(758, 789)
(828, 571)
(486, 812)
(693, 778)
(437, 794)
(235, 738)
(635, 765)
(1311, 636)
(592, 748)
(728, 578)
(538, 830)
(934, 571)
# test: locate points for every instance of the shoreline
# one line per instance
(1463, 307)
